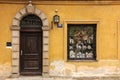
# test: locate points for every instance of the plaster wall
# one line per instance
(108, 45)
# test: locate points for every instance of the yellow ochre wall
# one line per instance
(107, 17)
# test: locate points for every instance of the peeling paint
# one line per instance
(5, 70)
(58, 68)
(61, 68)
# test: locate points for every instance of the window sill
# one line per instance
(82, 60)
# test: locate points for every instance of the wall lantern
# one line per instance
(56, 20)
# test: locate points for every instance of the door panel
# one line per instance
(31, 53)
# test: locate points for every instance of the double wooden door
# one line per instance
(31, 53)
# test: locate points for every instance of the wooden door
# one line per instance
(31, 53)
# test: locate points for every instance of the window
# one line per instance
(81, 41)
(31, 20)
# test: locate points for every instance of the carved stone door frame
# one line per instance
(29, 9)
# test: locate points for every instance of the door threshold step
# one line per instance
(30, 78)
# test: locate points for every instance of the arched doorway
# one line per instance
(19, 31)
(31, 36)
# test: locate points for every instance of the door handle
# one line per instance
(21, 52)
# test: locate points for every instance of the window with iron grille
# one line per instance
(81, 41)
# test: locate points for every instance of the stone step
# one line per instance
(63, 78)
(29, 78)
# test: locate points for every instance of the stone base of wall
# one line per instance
(114, 77)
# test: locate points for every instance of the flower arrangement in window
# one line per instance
(81, 41)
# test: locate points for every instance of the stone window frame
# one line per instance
(66, 22)
(15, 28)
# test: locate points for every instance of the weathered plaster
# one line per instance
(5, 70)
(61, 68)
